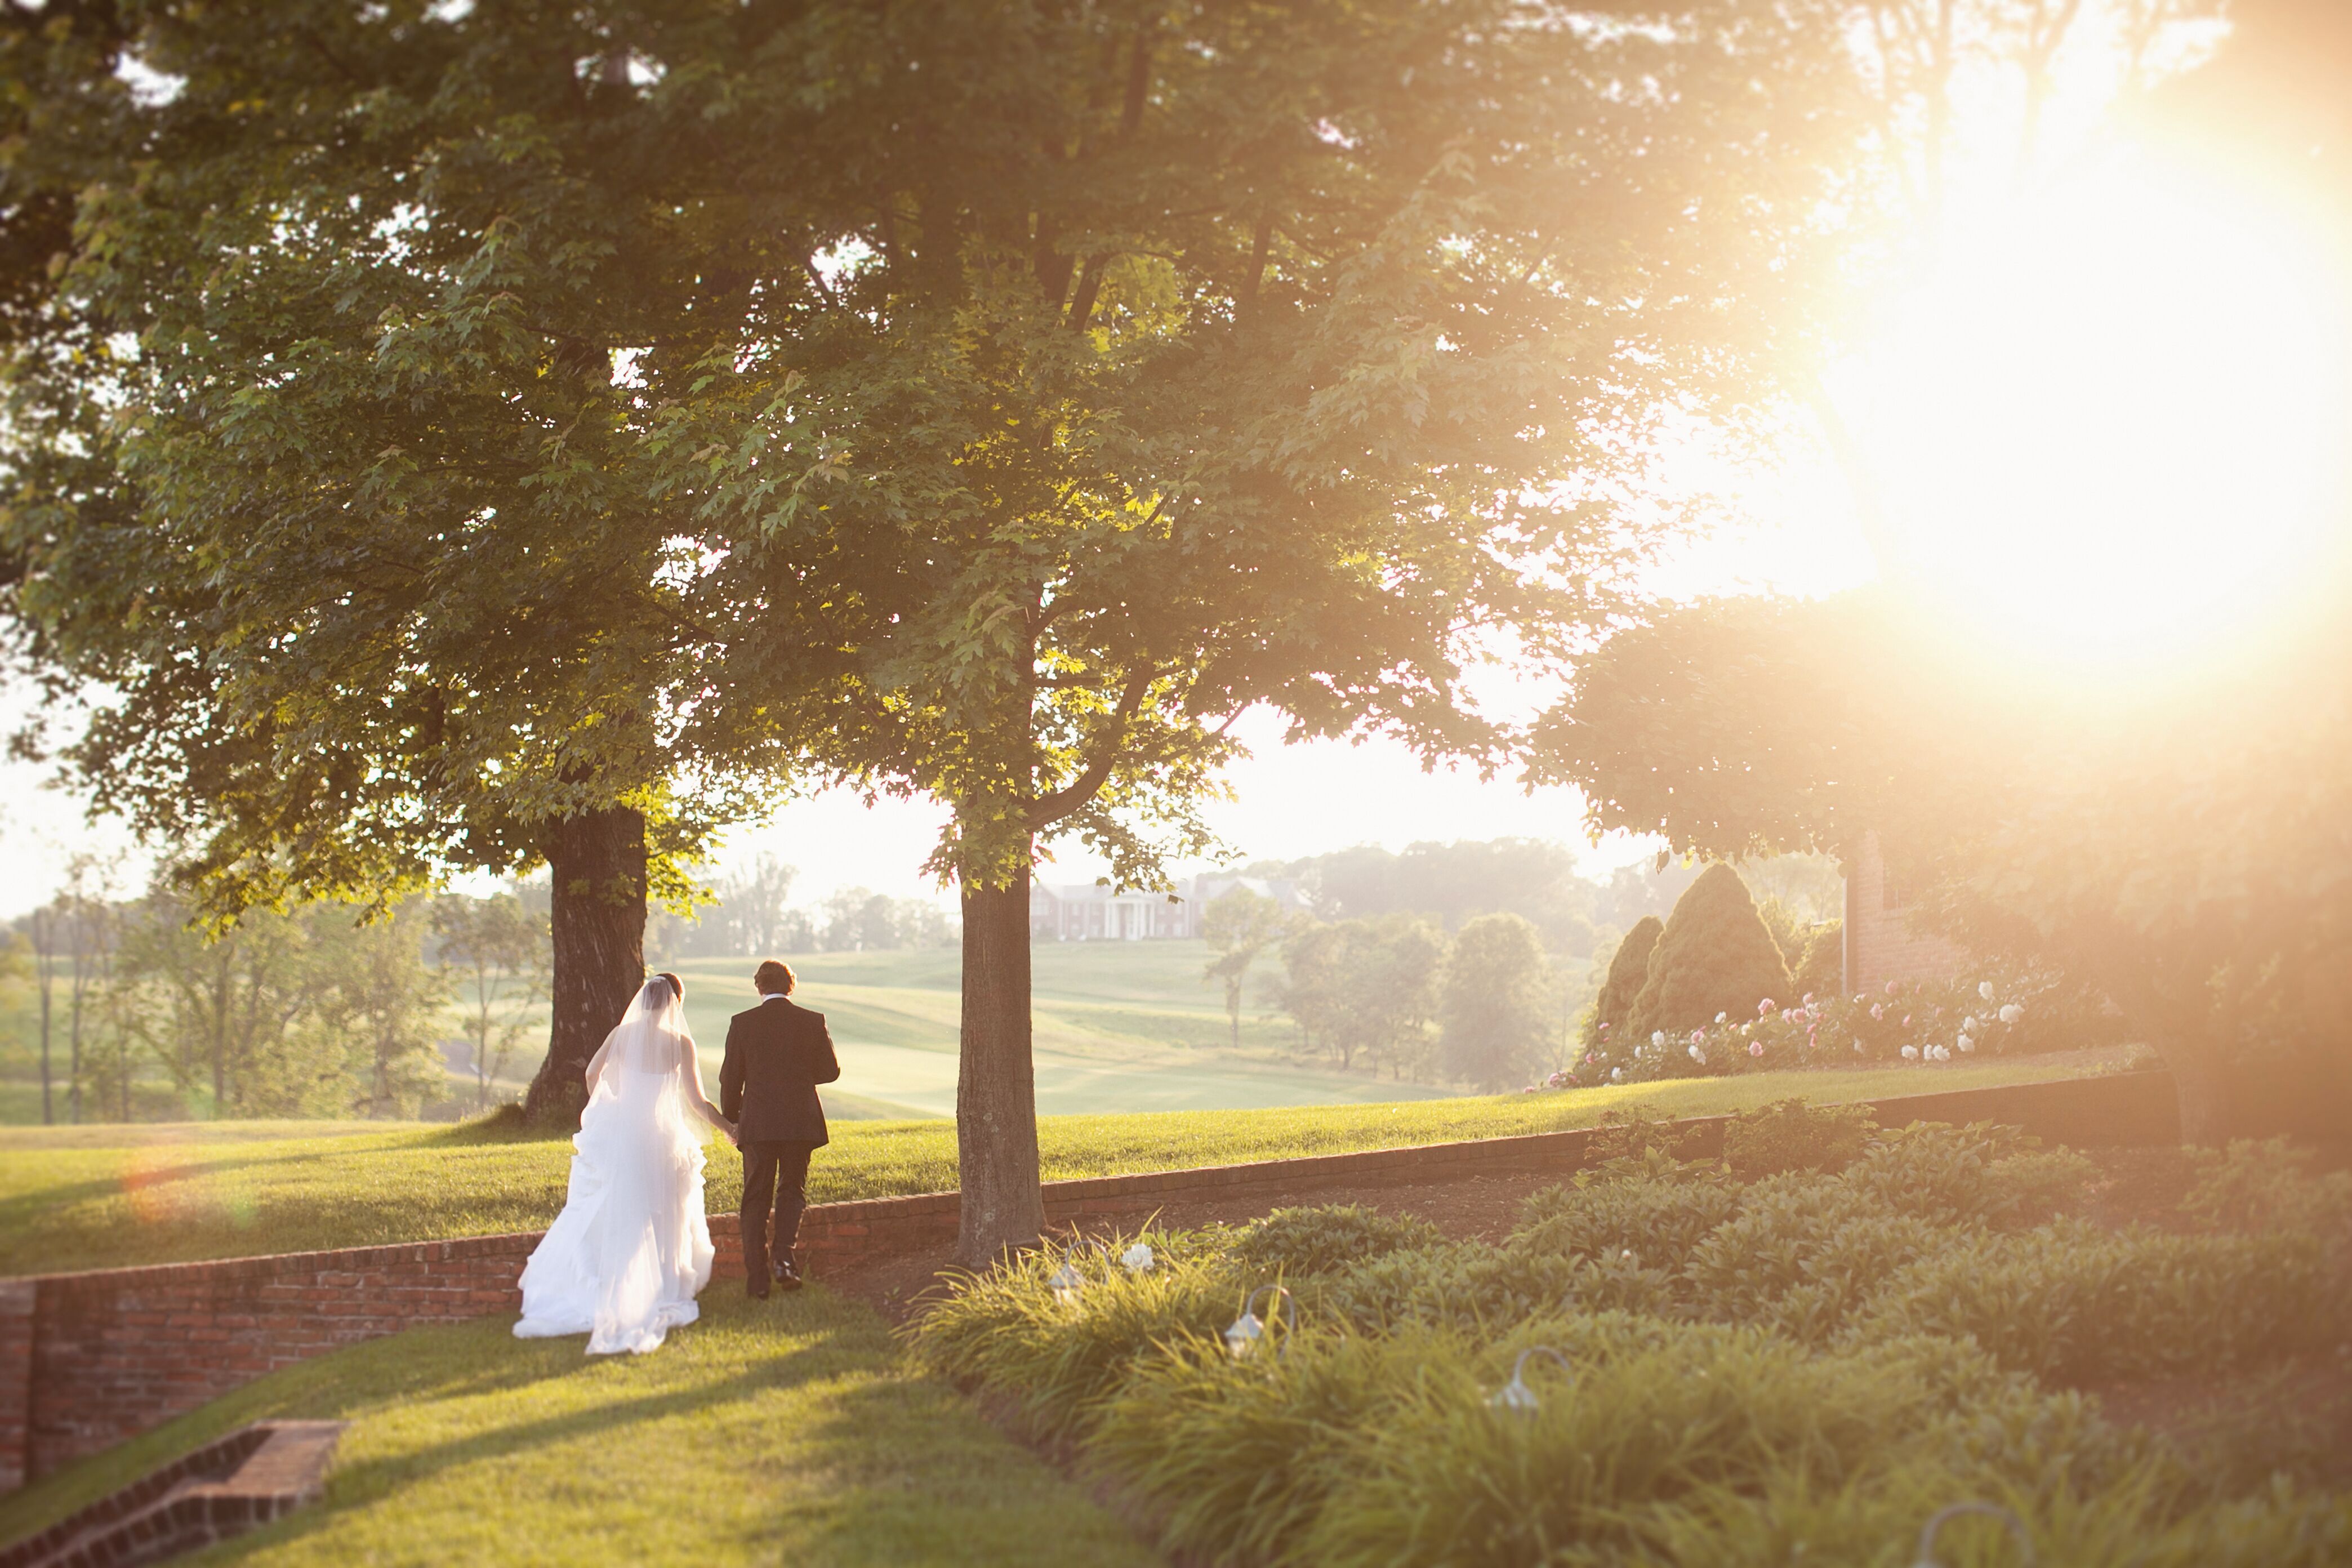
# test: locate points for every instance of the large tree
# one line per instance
(1182, 360)
(2187, 853)
(330, 407)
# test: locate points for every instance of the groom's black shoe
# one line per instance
(787, 1276)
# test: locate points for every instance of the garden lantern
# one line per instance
(1515, 1396)
(1248, 1330)
(1065, 1282)
(1138, 1259)
(1991, 1510)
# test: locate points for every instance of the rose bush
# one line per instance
(1927, 1022)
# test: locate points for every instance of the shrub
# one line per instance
(2268, 1187)
(1658, 1221)
(1791, 1135)
(1951, 1175)
(1620, 1144)
(2072, 1302)
(1714, 957)
(1605, 1025)
(1801, 1257)
(1296, 1242)
(1821, 970)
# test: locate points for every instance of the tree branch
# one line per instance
(1052, 808)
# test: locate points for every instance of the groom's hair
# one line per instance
(775, 978)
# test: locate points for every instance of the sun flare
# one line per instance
(2107, 431)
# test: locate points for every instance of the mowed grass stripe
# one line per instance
(70, 1199)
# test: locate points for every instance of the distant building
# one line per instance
(1090, 911)
(1880, 944)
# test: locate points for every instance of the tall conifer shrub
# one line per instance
(1627, 972)
(1714, 957)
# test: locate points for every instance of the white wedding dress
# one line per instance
(630, 1250)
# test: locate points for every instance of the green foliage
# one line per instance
(2077, 1304)
(1605, 1026)
(1818, 1355)
(1494, 1006)
(1367, 987)
(2265, 1186)
(1713, 959)
(313, 1012)
(1238, 927)
(1821, 969)
(1296, 1242)
(1789, 1135)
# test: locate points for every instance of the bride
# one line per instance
(625, 1258)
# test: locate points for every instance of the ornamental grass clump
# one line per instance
(1006, 1332)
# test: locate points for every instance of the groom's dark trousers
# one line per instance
(776, 1055)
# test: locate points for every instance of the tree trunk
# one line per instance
(48, 984)
(996, 1083)
(2200, 1084)
(596, 921)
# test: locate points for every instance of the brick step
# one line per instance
(254, 1475)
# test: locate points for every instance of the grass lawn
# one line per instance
(788, 1431)
(96, 1197)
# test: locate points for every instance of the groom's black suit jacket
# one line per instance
(776, 1055)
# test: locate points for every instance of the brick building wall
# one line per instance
(1880, 944)
(90, 1360)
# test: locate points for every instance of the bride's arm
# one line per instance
(701, 1102)
(596, 1065)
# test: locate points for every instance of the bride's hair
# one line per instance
(677, 987)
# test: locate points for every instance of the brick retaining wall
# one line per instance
(90, 1360)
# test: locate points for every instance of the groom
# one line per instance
(776, 1055)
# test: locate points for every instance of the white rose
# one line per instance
(1910, 1053)
(1967, 1044)
(1984, 989)
(2011, 1013)
(1657, 1036)
(1968, 1025)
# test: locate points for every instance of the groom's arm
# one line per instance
(825, 1066)
(730, 1075)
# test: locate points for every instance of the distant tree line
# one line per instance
(135, 1009)
(751, 915)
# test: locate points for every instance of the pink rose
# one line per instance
(1756, 1047)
